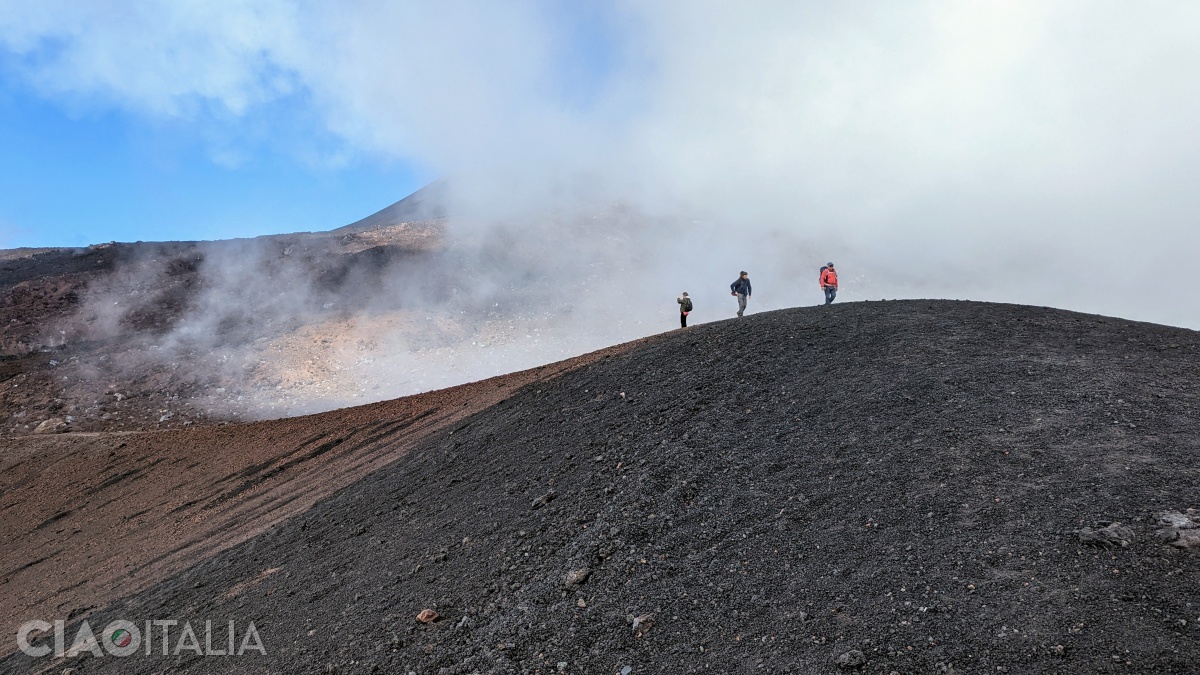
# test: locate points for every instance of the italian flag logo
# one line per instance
(121, 638)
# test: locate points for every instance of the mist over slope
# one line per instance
(902, 479)
(429, 292)
(142, 335)
(153, 335)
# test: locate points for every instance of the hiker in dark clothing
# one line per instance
(829, 282)
(685, 306)
(741, 289)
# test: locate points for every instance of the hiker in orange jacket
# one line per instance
(829, 282)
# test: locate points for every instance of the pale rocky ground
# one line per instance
(122, 337)
(361, 358)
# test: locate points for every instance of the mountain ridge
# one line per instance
(903, 486)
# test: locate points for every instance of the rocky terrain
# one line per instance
(161, 335)
(108, 337)
(884, 487)
(90, 517)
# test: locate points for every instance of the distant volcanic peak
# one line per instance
(427, 204)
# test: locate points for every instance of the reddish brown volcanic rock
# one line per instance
(90, 517)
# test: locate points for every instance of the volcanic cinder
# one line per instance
(909, 487)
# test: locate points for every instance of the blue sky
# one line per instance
(152, 149)
(73, 175)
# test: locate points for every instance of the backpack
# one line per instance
(687, 304)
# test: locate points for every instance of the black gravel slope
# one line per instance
(904, 479)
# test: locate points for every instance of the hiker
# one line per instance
(741, 289)
(829, 282)
(685, 306)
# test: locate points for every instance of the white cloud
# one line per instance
(1034, 151)
(163, 58)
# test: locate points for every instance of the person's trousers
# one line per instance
(741, 303)
(683, 319)
(830, 294)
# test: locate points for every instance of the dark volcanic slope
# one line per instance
(900, 478)
(88, 518)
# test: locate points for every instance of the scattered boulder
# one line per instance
(852, 659)
(1110, 535)
(576, 577)
(1179, 529)
(1179, 521)
(427, 616)
(544, 499)
(643, 622)
(54, 425)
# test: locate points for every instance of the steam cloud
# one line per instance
(1040, 153)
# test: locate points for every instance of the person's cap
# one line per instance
(829, 264)
(743, 272)
(685, 292)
